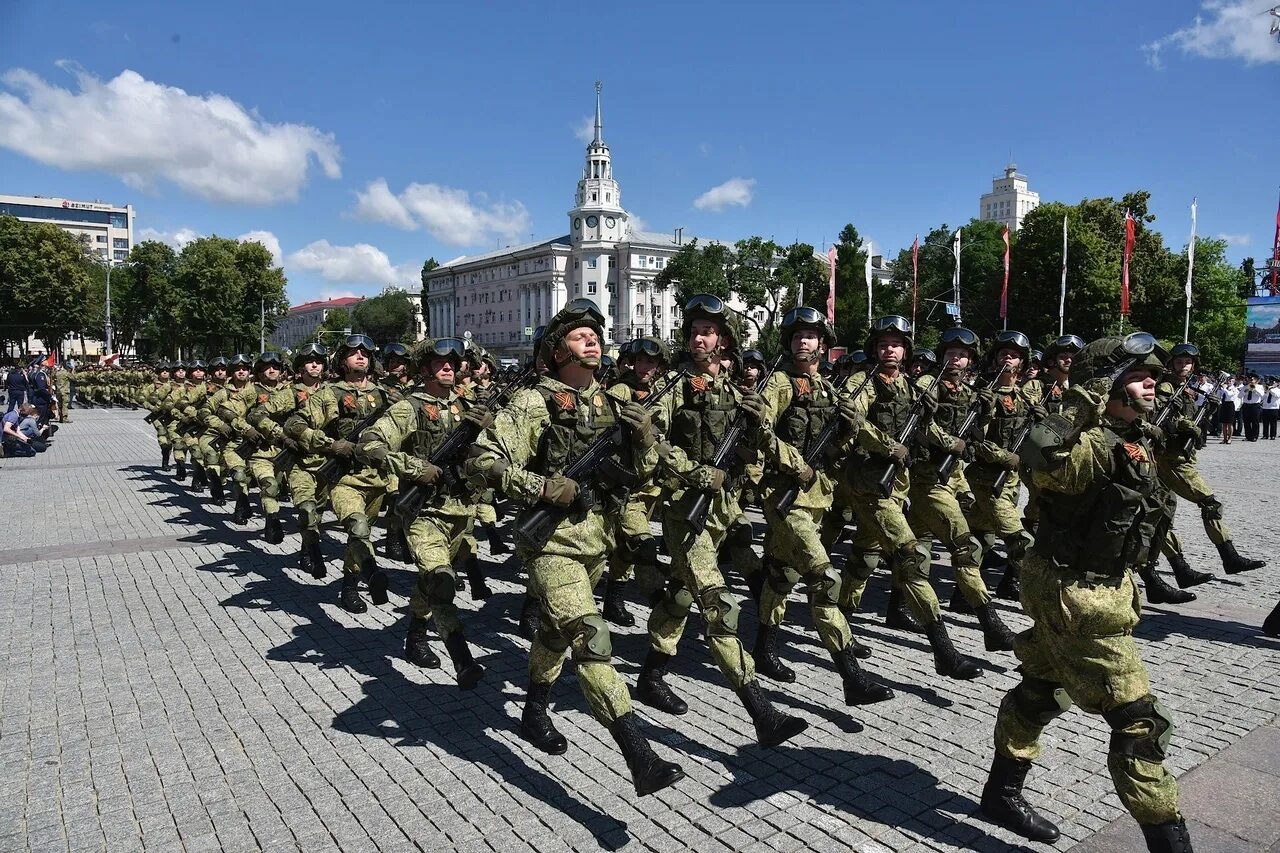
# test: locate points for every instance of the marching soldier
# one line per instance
(187, 421)
(209, 437)
(172, 400)
(531, 443)
(232, 462)
(398, 382)
(154, 397)
(309, 497)
(249, 408)
(1099, 501)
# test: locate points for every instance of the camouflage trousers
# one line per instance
(995, 516)
(1183, 479)
(1081, 648)
(437, 542)
(636, 554)
(883, 531)
(308, 496)
(176, 442)
(935, 510)
(793, 550)
(263, 475)
(162, 433)
(355, 507)
(696, 578)
(571, 623)
(208, 454)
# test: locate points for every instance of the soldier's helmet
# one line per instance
(162, 367)
(892, 324)
(268, 359)
(607, 370)
(426, 349)
(1014, 340)
(926, 358)
(218, 361)
(1101, 365)
(1066, 343)
(652, 347)
(753, 356)
(804, 317)
(1186, 349)
(196, 365)
(313, 351)
(241, 359)
(1037, 358)
(957, 336)
(705, 306)
(351, 343)
(575, 315)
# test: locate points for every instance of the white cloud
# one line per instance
(358, 264)
(176, 239)
(146, 132)
(585, 130)
(735, 191)
(269, 241)
(1229, 29)
(450, 215)
(1236, 239)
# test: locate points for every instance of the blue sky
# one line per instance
(359, 139)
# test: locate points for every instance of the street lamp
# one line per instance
(107, 330)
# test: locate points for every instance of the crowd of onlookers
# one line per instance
(30, 401)
(1248, 406)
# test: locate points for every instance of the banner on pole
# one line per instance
(831, 287)
(1004, 291)
(915, 272)
(867, 272)
(1124, 273)
(1062, 292)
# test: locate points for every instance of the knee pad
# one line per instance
(739, 535)
(824, 589)
(1211, 509)
(590, 639)
(914, 558)
(863, 564)
(552, 640)
(308, 515)
(676, 601)
(967, 501)
(240, 476)
(1150, 746)
(966, 547)
(438, 586)
(1017, 545)
(269, 487)
(358, 526)
(780, 577)
(720, 612)
(1039, 701)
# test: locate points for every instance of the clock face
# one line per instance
(592, 222)
(577, 223)
(610, 221)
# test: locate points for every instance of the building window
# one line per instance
(591, 288)
(613, 262)
(101, 238)
(120, 254)
(593, 196)
(119, 220)
(591, 263)
(576, 264)
(608, 197)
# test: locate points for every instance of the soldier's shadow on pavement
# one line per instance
(410, 712)
(1163, 623)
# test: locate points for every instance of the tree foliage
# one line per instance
(386, 318)
(44, 282)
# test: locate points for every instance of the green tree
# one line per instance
(154, 296)
(386, 318)
(44, 282)
(336, 320)
(1217, 308)
(265, 301)
(694, 270)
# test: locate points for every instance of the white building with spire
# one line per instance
(1009, 200)
(500, 297)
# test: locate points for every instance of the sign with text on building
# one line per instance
(528, 331)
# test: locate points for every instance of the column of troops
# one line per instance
(902, 446)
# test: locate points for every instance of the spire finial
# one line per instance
(599, 140)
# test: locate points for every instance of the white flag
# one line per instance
(955, 275)
(1191, 251)
(867, 273)
(1062, 295)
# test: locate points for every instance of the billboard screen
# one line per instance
(1262, 336)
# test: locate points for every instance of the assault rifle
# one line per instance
(784, 498)
(1003, 477)
(337, 467)
(536, 527)
(906, 435)
(446, 455)
(725, 450)
(1191, 441)
(949, 463)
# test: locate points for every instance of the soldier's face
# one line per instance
(220, 373)
(241, 373)
(704, 339)
(481, 372)
(956, 358)
(891, 349)
(1140, 388)
(180, 374)
(397, 366)
(164, 375)
(646, 368)
(1009, 359)
(270, 372)
(751, 374)
(1063, 362)
(440, 370)
(805, 345)
(582, 342)
(1182, 365)
(197, 375)
(357, 361)
(313, 368)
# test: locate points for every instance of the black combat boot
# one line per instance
(497, 545)
(859, 688)
(1010, 587)
(899, 616)
(859, 650)
(530, 617)
(996, 636)
(649, 772)
(164, 458)
(417, 645)
(946, 660)
(772, 726)
(766, 658)
(242, 511)
(272, 532)
(314, 555)
(1002, 801)
(198, 479)
(653, 691)
(1233, 563)
(377, 579)
(479, 586)
(181, 473)
(535, 722)
(350, 598)
(615, 605)
(216, 493)
(468, 672)
(958, 603)
(1158, 589)
(1185, 575)
(1271, 625)
(394, 546)
(1171, 837)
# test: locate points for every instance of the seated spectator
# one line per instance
(23, 435)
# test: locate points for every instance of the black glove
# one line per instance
(559, 491)
(986, 401)
(252, 434)
(898, 452)
(428, 475)
(1011, 461)
(753, 406)
(1038, 412)
(637, 417)
(850, 414)
(481, 416)
(225, 431)
(341, 447)
(929, 403)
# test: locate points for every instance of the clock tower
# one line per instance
(597, 224)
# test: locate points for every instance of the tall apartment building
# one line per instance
(1009, 200)
(109, 228)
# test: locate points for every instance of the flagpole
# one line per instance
(1062, 293)
(867, 273)
(1004, 291)
(955, 275)
(915, 277)
(1191, 263)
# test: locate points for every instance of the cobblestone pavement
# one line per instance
(169, 683)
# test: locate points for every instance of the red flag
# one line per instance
(1128, 251)
(110, 359)
(1004, 292)
(915, 276)
(52, 360)
(831, 287)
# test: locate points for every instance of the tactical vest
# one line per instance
(813, 406)
(703, 417)
(889, 407)
(1053, 398)
(955, 399)
(574, 425)
(353, 406)
(436, 419)
(1110, 526)
(1007, 418)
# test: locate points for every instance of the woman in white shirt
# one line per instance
(1230, 396)
(1271, 409)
